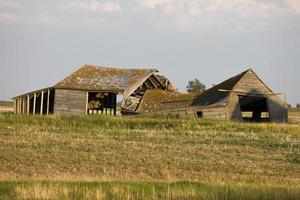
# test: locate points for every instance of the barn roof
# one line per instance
(154, 100)
(213, 95)
(90, 77)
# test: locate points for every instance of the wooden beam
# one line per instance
(34, 103)
(249, 93)
(152, 82)
(20, 104)
(48, 101)
(159, 81)
(87, 103)
(15, 107)
(24, 106)
(28, 104)
(42, 103)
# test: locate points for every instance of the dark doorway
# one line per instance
(102, 103)
(254, 108)
(199, 114)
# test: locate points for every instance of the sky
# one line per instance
(43, 41)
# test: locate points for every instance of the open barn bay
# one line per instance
(99, 157)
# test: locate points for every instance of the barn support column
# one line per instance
(115, 106)
(15, 107)
(87, 104)
(20, 105)
(24, 105)
(34, 103)
(28, 104)
(42, 103)
(48, 101)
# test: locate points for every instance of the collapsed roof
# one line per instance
(156, 100)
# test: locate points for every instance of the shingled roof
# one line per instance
(91, 77)
(213, 95)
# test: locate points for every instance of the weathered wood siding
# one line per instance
(277, 111)
(69, 102)
(233, 108)
(218, 112)
(251, 84)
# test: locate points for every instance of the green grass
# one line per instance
(142, 190)
(90, 157)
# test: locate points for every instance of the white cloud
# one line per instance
(9, 3)
(94, 6)
(194, 13)
(294, 5)
(40, 18)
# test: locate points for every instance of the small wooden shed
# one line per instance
(91, 90)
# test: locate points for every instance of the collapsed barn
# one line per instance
(93, 90)
(244, 97)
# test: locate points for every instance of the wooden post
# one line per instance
(42, 103)
(48, 101)
(20, 105)
(24, 105)
(34, 103)
(87, 104)
(28, 104)
(115, 105)
(15, 107)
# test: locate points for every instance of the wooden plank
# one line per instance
(15, 107)
(87, 103)
(20, 106)
(34, 103)
(70, 102)
(28, 104)
(42, 103)
(23, 106)
(48, 101)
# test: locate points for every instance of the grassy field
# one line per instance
(6, 107)
(99, 157)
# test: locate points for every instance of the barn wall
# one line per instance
(251, 84)
(218, 112)
(277, 111)
(69, 102)
(233, 108)
(214, 112)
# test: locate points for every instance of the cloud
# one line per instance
(9, 3)
(294, 5)
(191, 13)
(94, 6)
(39, 18)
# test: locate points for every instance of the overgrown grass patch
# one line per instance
(142, 190)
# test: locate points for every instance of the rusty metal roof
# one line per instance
(90, 77)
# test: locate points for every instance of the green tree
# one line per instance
(298, 105)
(195, 86)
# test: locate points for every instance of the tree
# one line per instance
(298, 105)
(195, 86)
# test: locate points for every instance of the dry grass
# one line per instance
(97, 148)
(294, 115)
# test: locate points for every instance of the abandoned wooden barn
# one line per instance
(93, 90)
(244, 97)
